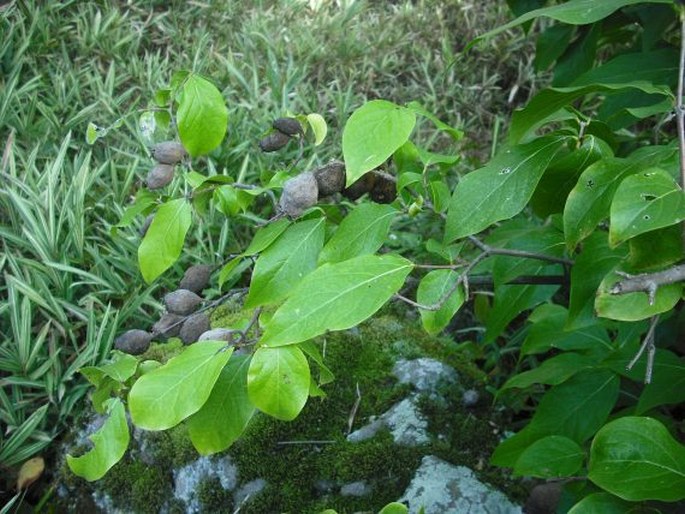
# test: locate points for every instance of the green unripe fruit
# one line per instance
(160, 175)
(288, 126)
(168, 152)
(330, 178)
(274, 141)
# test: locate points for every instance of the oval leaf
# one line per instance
(501, 189)
(202, 116)
(169, 394)
(336, 297)
(637, 459)
(363, 231)
(319, 127)
(226, 413)
(285, 262)
(109, 445)
(604, 503)
(550, 457)
(163, 241)
(644, 202)
(372, 134)
(278, 381)
(431, 290)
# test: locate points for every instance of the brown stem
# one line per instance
(648, 282)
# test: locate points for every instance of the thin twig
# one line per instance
(313, 441)
(680, 110)
(648, 344)
(648, 282)
(353, 412)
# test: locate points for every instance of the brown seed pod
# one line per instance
(299, 193)
(159, 176)
(168, 152)
(218, 334)
(182, 302)
(167, 326)
(330, 178)
(289, 126)
(384, 189)
(360, 187)
(134, 342)
(196, 278)
(274, 141)
(194, 327)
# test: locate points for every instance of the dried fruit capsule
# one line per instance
(330, 178)
(360, 187)
(196, 278)
(218, 334)
(168, 152)
(134, 342)
(274, 141)
(194, 327)
(168, 326)
(159, 176)
(299, 193)
(384, 190)
(182, 302)
(289, 126)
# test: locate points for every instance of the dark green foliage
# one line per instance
(134, 485)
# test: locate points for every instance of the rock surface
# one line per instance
(188, 478)
(425, 374)
(439, 487)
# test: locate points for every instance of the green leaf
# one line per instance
(362, 232)
(587, 273)
(644, 202)
(325, 374)
(223, 418)
(372, 134)
(575, 409)
(394, 508)
(548, 332)
(431, 289)
(109, 445)
(550, 457)
(604, 503)
(589, 201)
(163, 240)
(637, 459)
(145, 199)
(668, 382)
(551, 44)
(202, 116)
(319, 127)
(656, 250)
(283, 264)
(278, 381)
(266, 235)
(501, 189)
(574, 12)
(120, 369)
(553, 371)
(91, 133)
(417, 108)
(169, 394)
(634, 306)
(337, 296)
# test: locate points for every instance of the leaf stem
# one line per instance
(680, 109)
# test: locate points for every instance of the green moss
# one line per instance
(214, 498)
(162, 352)
(171, 449)
(134, 485)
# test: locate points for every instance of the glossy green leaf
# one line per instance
(656, 250)
(122, 367)
(325, 374)
(169, 394)
(201, 117)
(634, 306)
(550, 457)
(163, 240)
(668, 382)
(284, 263)
(549, 332)
(637, 459)
(574, 12)
(417, 108)
(372, 134)
(362, 232)
(337, 296)
(604, 503)
(109, 445)
(589, 269)
(590, 200)
(319, 127)
(144, 201)
(553, 371)
(394, 508)
(278, 381)
(266, 235)
(644, 202)
(575, 409)
(551, 44)
(223, 418)
(501, 189)
(431, 289)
